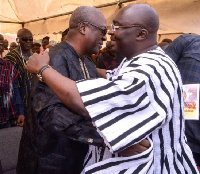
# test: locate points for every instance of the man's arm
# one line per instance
(65, 89)
(20, 106)
(68, 93)
(70, 96)
(175, 49)
(101, 72)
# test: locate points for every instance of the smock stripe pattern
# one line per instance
(24, 77)
(141, 99)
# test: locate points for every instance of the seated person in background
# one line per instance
(9, 94)
(36, 48)
(164, 43)
(107, 59)
(13, 45)
(185, 51)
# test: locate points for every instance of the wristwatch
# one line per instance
(39, 74)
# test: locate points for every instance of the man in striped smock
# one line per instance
(140, 99)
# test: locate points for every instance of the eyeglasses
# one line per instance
(103, 30)
(25, 39)
(114, 27)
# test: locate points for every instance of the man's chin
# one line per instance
(27, 48)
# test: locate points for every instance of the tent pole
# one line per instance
(11, 22)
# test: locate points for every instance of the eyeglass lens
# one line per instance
(27, 39)
(103, 30)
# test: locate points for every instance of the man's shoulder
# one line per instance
(12, 53)
(12, 56)
(6, 63)
(188, 38)
(152, 56)
(59, 48)
(62, 49)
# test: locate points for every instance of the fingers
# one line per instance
(145, 143)
(136, 148)
(21, 123)
(20, 120)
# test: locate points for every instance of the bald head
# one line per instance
(142, 14)
(135, 30)
(25, 40)
(22, 31)
(83, 13)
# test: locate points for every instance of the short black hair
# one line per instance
(64, 33)
(46, 38)
(22, 31)
(36, 44)
(167, 40)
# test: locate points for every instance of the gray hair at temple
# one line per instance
(81, 14)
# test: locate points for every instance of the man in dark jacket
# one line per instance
(60, 137)
(185, 51)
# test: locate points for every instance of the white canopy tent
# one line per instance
(51, 17)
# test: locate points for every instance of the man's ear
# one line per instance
(81, 28)
(142, 34)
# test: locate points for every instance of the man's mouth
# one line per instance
(28, 45)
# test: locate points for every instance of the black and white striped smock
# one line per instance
(141, 99)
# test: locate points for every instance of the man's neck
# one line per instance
(76, 47)
(144, 50)
(24, 52)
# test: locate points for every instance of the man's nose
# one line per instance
(110, 32)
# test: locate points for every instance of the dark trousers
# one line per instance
(60, 155)
(52, 153)
(9, 123)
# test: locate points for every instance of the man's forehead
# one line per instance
(25, 33)
(99, 20)
(127, 15)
